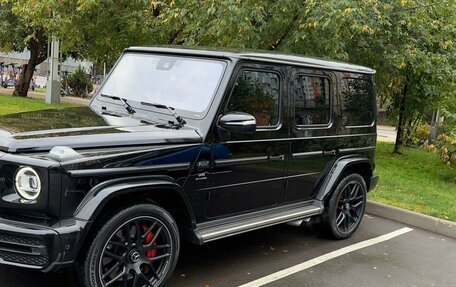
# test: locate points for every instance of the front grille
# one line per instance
(15, 239)
(26, 259)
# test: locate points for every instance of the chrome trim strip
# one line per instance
(301, 138)
(301, 175)
(125, 170)
(303, 128)
(247, 160)
(306, 154)
(220, 172)
(355, 149)
(335, 136)
(361, 126)
(242, 183)
(259, 224)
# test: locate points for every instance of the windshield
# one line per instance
(186, 84)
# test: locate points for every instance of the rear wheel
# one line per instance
(345, 210)
(138, 247)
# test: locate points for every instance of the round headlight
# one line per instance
(28, 183)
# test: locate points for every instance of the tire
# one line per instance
(345, 210)
(146, 257)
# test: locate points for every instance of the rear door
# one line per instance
(248, 169)
(313, 145)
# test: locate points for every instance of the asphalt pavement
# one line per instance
(414, 258)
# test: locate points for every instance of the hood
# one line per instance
(82, 127)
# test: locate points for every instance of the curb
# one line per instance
(426, 222)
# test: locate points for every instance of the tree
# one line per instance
(95, 30)
(409, 42)
(102, 29)
(17, 34)
(79, 83)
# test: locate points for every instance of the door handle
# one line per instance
(329, 152)
(276, 157)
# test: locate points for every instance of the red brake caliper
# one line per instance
(151, 253)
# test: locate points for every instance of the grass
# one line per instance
(13, 105)
(416, 180)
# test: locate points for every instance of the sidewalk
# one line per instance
(386, 133)
(41, 96)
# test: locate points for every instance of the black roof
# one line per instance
(262, 56)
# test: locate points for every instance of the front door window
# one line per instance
(257, 93)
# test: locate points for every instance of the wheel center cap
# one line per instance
(347, 206)
(135, 256)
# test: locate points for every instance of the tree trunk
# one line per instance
(408, 132)
(36, 57)
(26, 75)
(401, 121)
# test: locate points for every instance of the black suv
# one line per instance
(182, 144)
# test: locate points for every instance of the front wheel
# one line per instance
(137, 247)
(345, 210)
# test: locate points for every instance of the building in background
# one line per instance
(42, 70)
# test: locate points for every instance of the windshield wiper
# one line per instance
(178, 118)
(128, 107)
(110, 113)
(119, 115)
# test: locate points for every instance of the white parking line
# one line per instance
(323, 258)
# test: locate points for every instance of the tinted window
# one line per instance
(311, 100)
(257, 93)
(357, 101)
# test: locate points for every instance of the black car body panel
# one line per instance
(216, 180)
(82, 128)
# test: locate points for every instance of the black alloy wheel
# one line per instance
(138, 247)
(350, 206)
(345, 210)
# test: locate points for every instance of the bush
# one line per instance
(445, 146)
(420, 135)
(447, 149)
(79, 83)
(449, 124)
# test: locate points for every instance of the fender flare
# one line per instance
(336, 171)
(97, 198)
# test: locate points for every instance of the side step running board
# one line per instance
(282, 215)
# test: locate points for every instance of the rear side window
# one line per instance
(357, 101)
(311, 100)
(257, 93)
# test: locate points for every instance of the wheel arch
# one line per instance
(143, 187)
(106, 197)
(358, 164)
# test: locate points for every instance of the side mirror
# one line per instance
(238, 122)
